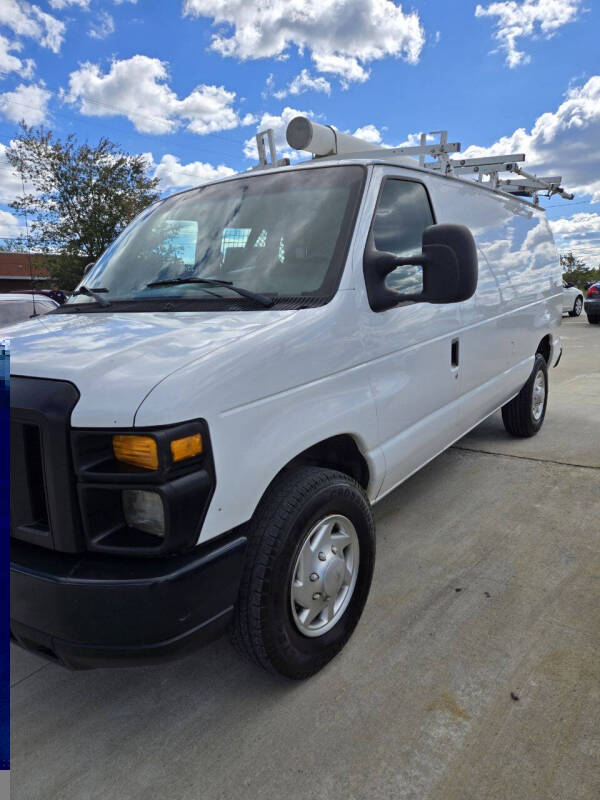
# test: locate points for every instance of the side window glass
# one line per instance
(402, 215)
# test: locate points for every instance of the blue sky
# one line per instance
(189, 82)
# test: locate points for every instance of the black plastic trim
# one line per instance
(557, 362)
(186, 489)
(46, 405)
(99, 610)
(94, 459)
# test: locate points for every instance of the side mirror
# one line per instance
(88, 267)
(449, 262)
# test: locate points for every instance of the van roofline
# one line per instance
(317, 163)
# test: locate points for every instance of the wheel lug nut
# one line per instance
(333, 549)
(317, 596)
(314, 576)
(322, 556)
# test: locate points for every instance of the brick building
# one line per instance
(16, 271)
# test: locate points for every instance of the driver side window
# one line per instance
(402, 214)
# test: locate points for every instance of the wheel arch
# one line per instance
(544, 348)
(340, 452)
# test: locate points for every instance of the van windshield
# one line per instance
(280, 234)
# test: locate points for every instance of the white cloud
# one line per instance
(527, 19)
(84, 4)
(10, 62)
(175, 175)
(580, 234)
(278, 123)
(60, 4)
(562, 142)
(304, 82)
(372, 134)
(10, 182)
(579, 224)
(137, 88)
(369, 133)
(29, 20)
(342, 37)
(346, 67)
(102, 27)
(29, 103)
(269, 86)
(9, 225)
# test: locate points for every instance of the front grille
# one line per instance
(28, 489)
(43, 502)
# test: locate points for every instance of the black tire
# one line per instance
(517, 415)
(593, 319)
(577, 307)
(263, 626)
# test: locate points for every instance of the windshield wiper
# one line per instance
(259, 298)
(102, 301)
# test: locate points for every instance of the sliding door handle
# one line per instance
(454, 353)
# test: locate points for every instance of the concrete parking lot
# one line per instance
(487, 583)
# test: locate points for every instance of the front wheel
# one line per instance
(577, 307)
(311, 552)
(524, 415)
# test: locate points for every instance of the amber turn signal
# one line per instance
(188, 447)
(141, 451)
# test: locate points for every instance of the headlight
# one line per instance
(142, 451)
(143, 491)
(144, 511)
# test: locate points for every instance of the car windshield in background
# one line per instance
(279, 234)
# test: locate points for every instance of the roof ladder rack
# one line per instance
(437, 150)
(532, 185)
(528, 185)
(264, 138)
(325, 142)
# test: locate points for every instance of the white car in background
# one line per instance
(572, 300)
(17, 307)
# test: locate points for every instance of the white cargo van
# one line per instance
(200, 433)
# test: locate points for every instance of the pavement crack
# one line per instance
(525, 458)
(26, 678)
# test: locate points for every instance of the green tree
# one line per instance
(575, 271)
(77, 198)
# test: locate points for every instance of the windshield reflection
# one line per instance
(280, 234)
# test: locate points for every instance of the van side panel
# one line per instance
(409, 349)
(518, 298)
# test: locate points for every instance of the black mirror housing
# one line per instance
(450, 268)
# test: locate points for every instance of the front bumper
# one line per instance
(99, 610)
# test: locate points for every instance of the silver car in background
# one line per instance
(15, 307)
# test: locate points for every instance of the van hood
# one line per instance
(116, 359)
